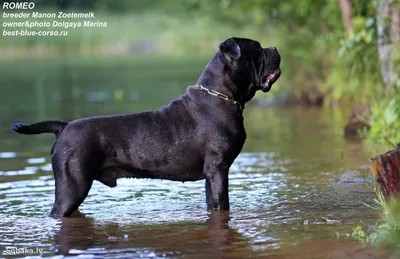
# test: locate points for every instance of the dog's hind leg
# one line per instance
(74, 177)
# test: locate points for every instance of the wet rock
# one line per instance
(357, 122)
(310, 97)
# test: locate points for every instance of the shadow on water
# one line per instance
(295, 190)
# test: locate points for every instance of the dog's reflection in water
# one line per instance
(76, 233)
(80, 235)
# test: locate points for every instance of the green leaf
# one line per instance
(370, 22)
(390, 115)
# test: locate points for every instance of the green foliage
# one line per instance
(385, 112)
(383, 206)
(356, 70)
(356, 75)
(313, 16)
(387, 229)
(363, 33)
(385, 120)
(307, 32)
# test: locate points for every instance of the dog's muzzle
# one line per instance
(273, 69)
(270, 79)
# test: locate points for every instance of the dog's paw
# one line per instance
(16, 126)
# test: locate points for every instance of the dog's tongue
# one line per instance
(272, 74)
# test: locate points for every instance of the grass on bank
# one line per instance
(386, 231)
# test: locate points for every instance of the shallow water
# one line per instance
(296, 190)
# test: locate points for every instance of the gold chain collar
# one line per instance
(223, 96)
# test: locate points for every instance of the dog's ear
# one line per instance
(230, 49)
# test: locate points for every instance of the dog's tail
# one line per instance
(55, 127)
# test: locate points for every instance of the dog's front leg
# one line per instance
(208, 196)
(216, 174)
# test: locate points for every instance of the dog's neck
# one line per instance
(214, 77)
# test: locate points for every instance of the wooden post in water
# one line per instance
(386, 170)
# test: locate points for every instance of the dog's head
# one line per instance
(251, 65)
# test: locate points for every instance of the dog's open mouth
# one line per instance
(269, 80)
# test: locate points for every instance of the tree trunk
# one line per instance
(345, 6)
(386, 171)
(395, 25)
(388, 18)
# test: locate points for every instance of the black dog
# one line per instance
(195, 137)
